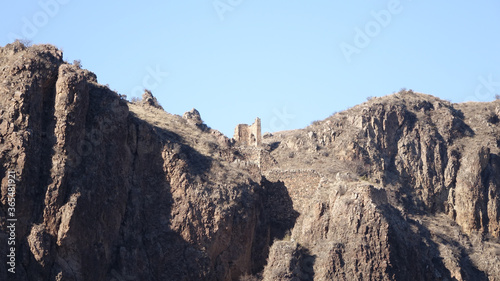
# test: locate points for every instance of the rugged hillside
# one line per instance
(108, 190)
(401, 187)
(404, 187)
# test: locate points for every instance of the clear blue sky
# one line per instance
(287, 62)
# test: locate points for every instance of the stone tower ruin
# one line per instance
(249, 135)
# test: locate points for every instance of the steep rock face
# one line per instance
(423, 158)
(352, 232)
(105, 195)
(69, 197)
(426, 146)
(289, 261)
(421, 144)
(475, 196)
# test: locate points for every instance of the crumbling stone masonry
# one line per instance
(301, 185)
(249, 135)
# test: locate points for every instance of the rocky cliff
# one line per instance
(108, 190)
(404, 187)
(407, 190)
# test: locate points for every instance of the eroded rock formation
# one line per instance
(408, 190)
(404, 187)
(109, 193)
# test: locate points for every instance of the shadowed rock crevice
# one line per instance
(414, 255)
(279, 208)
(48, 141)
(276, 220)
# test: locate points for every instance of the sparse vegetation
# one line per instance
(370, 98)
(497, 97)
(333, 114)
(25, 42)
(176, 126)
(341, 189)
(288, 236)
(315, 123)
(212, 147)
(493, 118)
(77, 63)
(364, 178)
(359, 167)
(405, 91)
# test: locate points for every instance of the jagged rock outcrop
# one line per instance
(193, 117)
(409, 190)
(149, 100)
(404, 187)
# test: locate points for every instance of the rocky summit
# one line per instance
(94, 187)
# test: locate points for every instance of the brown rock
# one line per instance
(403, 187)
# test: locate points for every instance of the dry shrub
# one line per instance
(359, 167)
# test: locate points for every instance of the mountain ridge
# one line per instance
(400, 187)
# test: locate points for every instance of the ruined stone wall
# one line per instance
(258, 156)
(301, 185)
(249, 135)
(255, 137)
(241, 134)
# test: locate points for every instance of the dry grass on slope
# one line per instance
(204, 142)
(210, 144)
